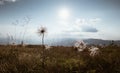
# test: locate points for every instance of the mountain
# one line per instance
(3, 41)
(67, 41)
(71, 42)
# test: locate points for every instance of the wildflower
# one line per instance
(80, 45)
(80, 49)
(47, 47)
(42, 31)
(94, 51)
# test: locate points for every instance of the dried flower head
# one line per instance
(47, 47)
(80, 45)
(42, 30)
(94, 51)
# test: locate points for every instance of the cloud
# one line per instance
(83, 21)
(89, 29)
(86, 25)
(80, 21)
(94, 20)
(2, 2)
(84, 29)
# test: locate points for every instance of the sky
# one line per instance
(81, 19)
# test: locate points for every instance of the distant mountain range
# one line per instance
(3, 41)
(69, 42)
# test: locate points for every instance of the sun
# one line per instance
(64, 13)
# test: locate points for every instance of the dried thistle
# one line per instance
(41, 30)
(80, 45)
(94, 51)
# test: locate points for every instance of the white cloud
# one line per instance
(82, 21)
(95, 20)
(10, 0)
(2, 2)
(81, 28)
(89, 29)
(86, 25)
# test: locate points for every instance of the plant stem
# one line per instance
(43, 51)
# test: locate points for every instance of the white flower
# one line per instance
(80, 45)
(47, 47)
(94, 51)
(80, 49)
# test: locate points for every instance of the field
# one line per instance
(58, 59)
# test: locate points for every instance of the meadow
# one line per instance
(58, 59)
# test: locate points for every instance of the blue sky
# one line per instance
(99, 19)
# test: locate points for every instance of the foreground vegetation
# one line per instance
(58, 59)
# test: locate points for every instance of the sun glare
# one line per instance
(64, 13)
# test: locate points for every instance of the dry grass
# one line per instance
(58, 59)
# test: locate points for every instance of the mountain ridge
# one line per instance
(69, 41)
